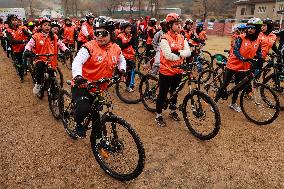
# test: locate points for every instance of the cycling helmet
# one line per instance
(55, 24)
(188, 21)
(104, 22)
(90, 15)
(152, 22)
(199, 24)
(124, 25)
(67, 18)
(270, 25)
(30, 24)
(10, 17)
(44, 19)
(172, 17)
(241, 26)
(255, 21)
(267, 21)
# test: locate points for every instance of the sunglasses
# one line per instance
(250, 27)
(101, 33)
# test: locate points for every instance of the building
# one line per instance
(259, 8)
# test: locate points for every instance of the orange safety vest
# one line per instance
(2, 27)
(149, 39)
(117, 32)
(128, 52)
(202, 36)
(44, 45)
(267, 42)
(176, 43)
(102, 61)
(82, 37)
(18, 34)
(68, 34)
(248, 49)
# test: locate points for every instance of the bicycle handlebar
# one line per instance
(182, 66)
(48, 55)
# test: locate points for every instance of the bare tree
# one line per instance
(31, 7)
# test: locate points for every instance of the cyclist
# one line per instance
(117, 30)
(68, 33)
(174, 48)
(95, 60)
(17, 36)
(2, 27)
(87, 32)
(126, 43)
(44, 42)
(246, 47)
(55, 27)
(150, 32)
(201, 34)
(188, 33)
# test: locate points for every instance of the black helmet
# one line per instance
(90, 15)
(105, 23)
(188, 21)
(67, 18)
(124, 25)
(270, 25)
(10, 17)
(152, 22)
(55, 24)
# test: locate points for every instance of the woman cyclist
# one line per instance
(174, 48)
(246, 47)
(96, 59)
(86, 33)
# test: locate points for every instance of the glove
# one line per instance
(123, 72)
(28, 53)
(89, 38)
(248, 60)
(176, 53)
(80, 82)
(67, 52)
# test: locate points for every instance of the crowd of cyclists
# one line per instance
(103, 45)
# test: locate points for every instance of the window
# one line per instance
(261, 9)
(252, 11)
(243, 10)
(281, 7)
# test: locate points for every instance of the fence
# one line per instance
(215, 28)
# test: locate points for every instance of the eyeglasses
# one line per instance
(101, 33)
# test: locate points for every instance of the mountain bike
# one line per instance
(196, 104)
(256, 100)
(68, 60)
(115, 144)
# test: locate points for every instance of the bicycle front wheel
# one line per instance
(201, 115)
(119, 152)
(53, 93)
(260, 104)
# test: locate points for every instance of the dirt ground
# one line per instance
(35, 151)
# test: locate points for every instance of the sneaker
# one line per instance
(129, 89)
(160, 121)
(235, 107)
(174, 116)
(36, 89)
(80, 130)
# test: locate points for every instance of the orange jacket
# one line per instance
(176, 42)
(82, 37)
(44, 45)
(102, 61)
(149, 39)
(267, 42)
(128, 52)
(18, 34)
(248, 49)
(117, 32)
(69, 34)
(202, 36)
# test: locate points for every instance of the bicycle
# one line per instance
(49, 84)
(68, 60)
(253, 92)
(108, 132)
(196, 104)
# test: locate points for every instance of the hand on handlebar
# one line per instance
(80, 82)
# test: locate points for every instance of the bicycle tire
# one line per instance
(67, 114)
(208, 56)
(199, 113)
(257, 110)
(148, 93)
(129, 97)
(53, 93)
(279, 90)
(115, 146)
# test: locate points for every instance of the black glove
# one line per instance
(28, 53)
(67, 52)
(89, 38)
(79, 81)
(176, 53)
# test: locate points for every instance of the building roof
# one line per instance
(249, 2)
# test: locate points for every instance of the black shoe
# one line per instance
(80, 130)
(160, 121)
(174, 116)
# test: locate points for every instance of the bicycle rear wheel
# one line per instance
(67, 114)
(259, 104)
(53, 92)
(149, 89)
(129, 94)
(120, 152)
(201, 115)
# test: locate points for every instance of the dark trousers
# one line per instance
(239, 76)
(19, 63)
(40, 69)
(79, 45)
(167, 84)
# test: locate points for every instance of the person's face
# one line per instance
(46, 27)
(15, 22)
(251, 29)
(264, 28)
(128, 29)
(176, 27)
(55, 30)
(102, 36)
(189, 26)
(68, 22)
(91, 21)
